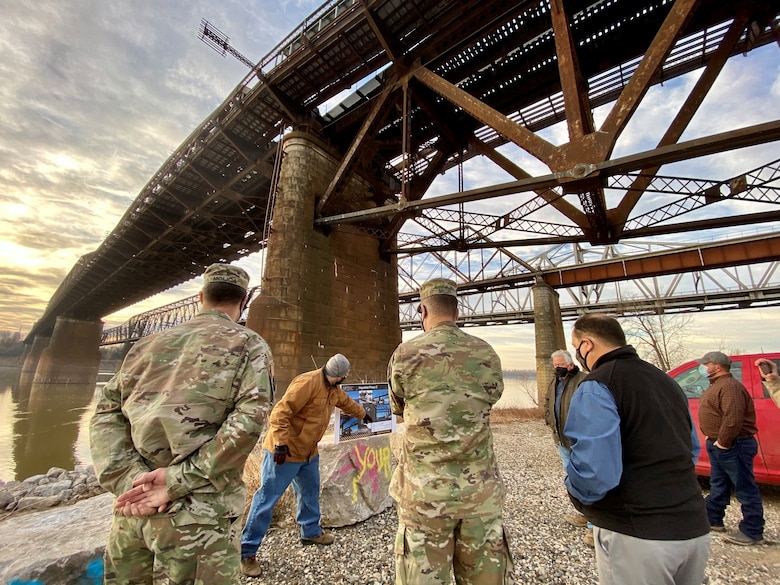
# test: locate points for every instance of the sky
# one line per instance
(96, 95)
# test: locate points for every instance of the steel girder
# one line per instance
(447, 81)
(494, 286)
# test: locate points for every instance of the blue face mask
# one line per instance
(704, 373)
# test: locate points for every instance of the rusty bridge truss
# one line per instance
(403, 91)
(495, 287)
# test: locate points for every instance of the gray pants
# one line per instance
(622, 559)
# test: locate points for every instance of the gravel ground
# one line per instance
(546, 550)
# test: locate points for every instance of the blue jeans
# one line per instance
(733, 469)
(305, 479)
(565, 453)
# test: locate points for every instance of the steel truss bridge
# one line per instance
(495, 289)
(437, 85)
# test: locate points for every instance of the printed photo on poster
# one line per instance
(375, 399)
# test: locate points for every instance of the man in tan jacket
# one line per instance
(296, 425)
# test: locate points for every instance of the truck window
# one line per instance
(694, 384)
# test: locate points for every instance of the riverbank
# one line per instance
(546, 550)
(57, 487)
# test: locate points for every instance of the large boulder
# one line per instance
(59, 546)
(355, 477)
(354, 481)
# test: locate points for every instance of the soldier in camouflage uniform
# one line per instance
(444, 383)
(170, 437)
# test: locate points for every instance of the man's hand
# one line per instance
(149, 495)
(367, 419)
(280, 454)
(772, 375)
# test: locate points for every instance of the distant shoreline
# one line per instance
(522, 374)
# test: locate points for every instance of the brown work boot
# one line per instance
(577, 520)
(588, 538)
(325, 538)
(250, 567)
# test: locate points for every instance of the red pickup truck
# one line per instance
(767, 462)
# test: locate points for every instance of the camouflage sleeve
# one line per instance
(346, 404)
(397, 401)
(235, 439)
(496, 377)
(297, 395)
(116, 460)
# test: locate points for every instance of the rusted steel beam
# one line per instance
(595, 206)
(552, 197)
(702, 224)
(520, 135)
(579, 116)
(292, 110)
(380, 34)
(419, 186)
(684, 116)
(716, 143)
(406, 141)
(706, 145)
(351, 156)
(704, 257)
(651, 63)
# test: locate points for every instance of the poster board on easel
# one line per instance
(375, 399)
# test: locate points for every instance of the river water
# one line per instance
(38, 433)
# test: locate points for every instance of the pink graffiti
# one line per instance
(367, 464)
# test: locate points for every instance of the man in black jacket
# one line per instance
(631, 471)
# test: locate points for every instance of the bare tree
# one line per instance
(528, 388)
(722, 346)
(661, 339)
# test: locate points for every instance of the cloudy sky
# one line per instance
(97, 94)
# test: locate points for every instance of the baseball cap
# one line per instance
(715, 357)
(226, 273)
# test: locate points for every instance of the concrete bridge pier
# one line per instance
(32, 355)
(548, 328)
(323, 293)
(72, 355)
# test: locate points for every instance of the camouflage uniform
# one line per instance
(449, 492)
(192, 399)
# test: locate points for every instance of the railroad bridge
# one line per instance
(335, 197)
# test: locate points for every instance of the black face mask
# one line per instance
(561, 372)
(583, 359)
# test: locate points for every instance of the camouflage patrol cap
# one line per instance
(226, 273)
(438, 286)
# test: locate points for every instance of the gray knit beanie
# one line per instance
(337, 366)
